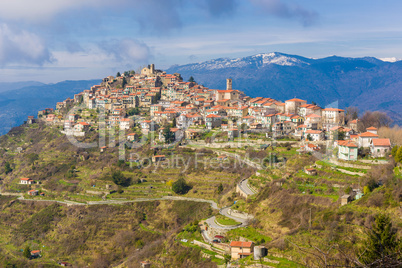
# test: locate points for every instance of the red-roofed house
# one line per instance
(157, 158)
(372, 130)
(380, 147)
(332, 117)
(81, 126)
(292, 106)
(240, 249)
(26, 181)
(347, 150)
(35, 253)
(125, 123)
(366, 138)
(33, 192)
(316, 135)
(213, 121)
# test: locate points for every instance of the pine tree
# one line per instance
(382, 243)
(27, 252)
(220, 188)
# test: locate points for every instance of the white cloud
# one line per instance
(128, 50)
(42, 9)
(20, 46)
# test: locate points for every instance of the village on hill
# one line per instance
(152, 99)
(249, 156)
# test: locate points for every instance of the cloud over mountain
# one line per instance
(21, 47)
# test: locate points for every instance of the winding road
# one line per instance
(243, 185)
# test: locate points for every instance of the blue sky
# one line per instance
(51, 41)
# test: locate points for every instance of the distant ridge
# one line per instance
(17, 104)
(368, 83)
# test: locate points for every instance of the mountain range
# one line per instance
(367, 83)
(18, 100)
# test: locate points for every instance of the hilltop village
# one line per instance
(152, 99)
(148, 170)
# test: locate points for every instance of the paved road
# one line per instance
(245, 187)
(117, 202)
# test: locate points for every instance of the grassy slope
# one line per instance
(98, 235)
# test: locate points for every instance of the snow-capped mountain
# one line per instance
(256, 61)
(368, 83)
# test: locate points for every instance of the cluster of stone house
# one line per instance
(169, 99)
(348, 148)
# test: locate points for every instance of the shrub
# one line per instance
(120, 179)
(180, 186)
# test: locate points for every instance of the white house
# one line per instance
(26, 181)
(125, 123)
(316, 135)
(380, 147)
(366, 138)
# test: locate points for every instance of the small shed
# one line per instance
(310, 171)
(145, 264)
(345, 199)
(33, 192)
(35, 253)
(157, 158)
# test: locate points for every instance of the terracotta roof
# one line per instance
(296, 100)
(336, 128)
(368, 134)
(346, 143)
(313, 115)
(334, 110)
(314, 131)
(213, 115)
(371, 128)
(381, 142)
(240, 244)
(26, 179)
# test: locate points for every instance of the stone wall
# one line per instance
(238, 214)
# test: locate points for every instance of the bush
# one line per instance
(180, 186)
(119, 178)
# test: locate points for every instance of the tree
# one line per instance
(309, 137)
(169, 137)
(119, 178)
(376, 119)
(191, 79)
(118, 74)
(7, 168)
(174, 122)
(398, 156)
(351, 113)
(124, 82)
(158, 96)
(220, 188)
(394, 150)
(383, 245)
(27, 252)
(339, 135)
(180, 186)
(133, 111)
